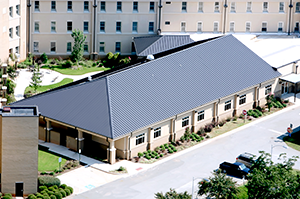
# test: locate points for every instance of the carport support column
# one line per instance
(111, 152)
(235, 106)
(295, 95)
(255, 104)
(47, 131)
(150, 138)
(194, 121)
(79, 140)
(172, 130)
(215, 113)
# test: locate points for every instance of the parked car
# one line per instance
(247, 159)
(236, 169)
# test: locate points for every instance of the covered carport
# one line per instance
(294, 79)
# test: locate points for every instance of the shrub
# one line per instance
(250, 112)
(152, 156)
(58, 195)
(284, 105)
(44, 58)
(67, 64)
(43, 173)
(156, 157)
(145, 152)
(170, 151)
(140, 154)
(161, 155)
(70, 188)
(157, 149)
(234, 118)
(148, 157)
(286, 101)
(221, 123)
(63, 193)
(42, 188)
(121, 168)
(46, 197)
(241, 116)
(259, 108)
(63, 186)
(8, 195)
(163, 148)
(31, 196)
(201, 131)
(53, 197)
(166, 145)
(175, 150)
(255, 115)
(208, 128)
(67, 192)
(48, 181)
(51, 173)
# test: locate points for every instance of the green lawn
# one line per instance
(79, 71)
(48, 87)
(48, 161)
(293, 141)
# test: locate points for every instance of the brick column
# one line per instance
(255, 104)
(111, 152)
(48, 128)
(150, 138)
(235, 105)
(194, 121)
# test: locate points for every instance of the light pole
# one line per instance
(273, 146)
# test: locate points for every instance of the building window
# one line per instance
(264, 27)
(69, 47)
(85, 26)
(280, 26)
(53, 26)
(151, 27)
(86, 6)
(216, 26)
(118, 47)
(140, 139)
(200, 115)
(135, 6)
(227, 105)
(183, 24)
(281, 6)
(118, 26)
(151, 6)
(36, 26)
(70, 6)
(102, 47)
(249, 6)
(36, 6)
(242, 99)
(268, 89)
(157, 132)
(265, 6)
(53, 6)
(53, 47)
(18, 9)
(232, 7)
(102, 6)
(102, 26)
(36, 47)
(185, 121)
(18, 31)
(17, 49)
(168, 2)
(199, 26)
(11, 11)
(119, 6)
(217, 6)
(69, 26)
(297, 7)
(183, 6)
(231, 26)
(134, 27)
(86, 47)
(10, 33)
(248, 25)
(200, 7)
(167, 22)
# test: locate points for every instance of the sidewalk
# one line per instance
(96, 173)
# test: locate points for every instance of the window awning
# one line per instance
(293, 78)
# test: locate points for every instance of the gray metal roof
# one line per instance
(123, 102)
(150, 45)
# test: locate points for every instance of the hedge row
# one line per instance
(52, 192)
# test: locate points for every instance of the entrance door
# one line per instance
(19, 189)
(284, 88)
(63, 138)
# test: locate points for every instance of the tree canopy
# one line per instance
(79, 39)
(172, 194)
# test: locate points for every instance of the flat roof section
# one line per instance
(293, 78)
(17, 111)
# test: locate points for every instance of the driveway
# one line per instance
(198, 163)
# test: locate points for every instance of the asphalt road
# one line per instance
(178, 173)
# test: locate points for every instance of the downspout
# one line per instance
(29, 26)
(159, 17)
(108, 149)
(224, 23)
(290, 6)
(94, 31)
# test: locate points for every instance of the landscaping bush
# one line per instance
(156, 157)
(286, 101)
(58, 195)
(208, 128)
(171, 151)
(157, 149)
(31, 196)
(46, 197)
(67, 64)
(152, 156)
(255, 115)
(67, 192)
(70, 188)
(221, 123)
(63, 186)
(122, 168)
(201, 131)
(250, 112)
(44, 58)
(48, 181)
(140, 154)
(42, 188)
(161, 155)
(259, 108)
(8, 195)
(53, 197)
(63, 193)
(148, 157)
(284, 105)
(234, 118)
(214, 124)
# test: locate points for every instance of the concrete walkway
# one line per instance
(48, 77)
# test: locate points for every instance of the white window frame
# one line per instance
(201, 115)
(84, 26)
(268, 89)
(134, 27)
(35, 46)
(280, 26)
(231, 26)
(101, 46)
(264, 24)
(157, 132)
(151, 27)
(232, 7)
(297, 9)
(119, 6)
(100, 26)
(227, 105)
(200, 6)
(36, 6)
(140, 139)
(118, 27)
(36, 26)
(53, 26)
(51, 46)
(183, 26)
(249, 6)
(69, 47)
(118, 45)
(69, 6)
(248, 23)
(200, 26)
(217, 6)
(102, 6)
(86, 9)
(242, 99)
(135, 6)
(151, 6)
(53, 6)
(184, 6)
(216, 26)
(68, 26)
(265, 6)
(281, 6)
(185, 121)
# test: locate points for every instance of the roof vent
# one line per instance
(89, 78)
(150, 57)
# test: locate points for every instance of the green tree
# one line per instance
(10, 86)
(79, 39)
(269, 180)
(44, 58)
(172, 194)
(218, 186)
(36, 79)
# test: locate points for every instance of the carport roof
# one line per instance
(124, 101)
(293, 78)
